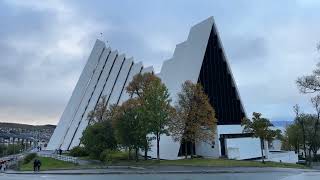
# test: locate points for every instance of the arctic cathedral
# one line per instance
(200, 59)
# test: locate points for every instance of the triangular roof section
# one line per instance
(186, 64)
(188, 57)
(218, 83)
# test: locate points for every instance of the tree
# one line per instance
(154, 98)
(129, 126)
(98, 137)
(310, 83)
(101, 112)
(158, 109)
(306, 123)
(315, 144)
(292, 138)
(195, 117)
(260, 128)
(304, 131)
(300, 120)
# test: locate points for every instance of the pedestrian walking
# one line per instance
(35, 165)
(39, 164)
(3, 166)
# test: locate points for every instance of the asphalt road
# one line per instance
(220, 176)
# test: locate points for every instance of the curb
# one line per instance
(128, 172)
(144, 172)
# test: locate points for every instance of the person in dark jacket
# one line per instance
(39, 164)
(35, 165)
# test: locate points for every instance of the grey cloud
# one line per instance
(246, 48)
(43, 51)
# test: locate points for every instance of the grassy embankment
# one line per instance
(120, 159)
(48, 164)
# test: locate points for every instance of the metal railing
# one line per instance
(60, 157)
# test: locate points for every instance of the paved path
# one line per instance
(168, 170)
(220, 176)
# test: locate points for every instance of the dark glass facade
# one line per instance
(217, 83)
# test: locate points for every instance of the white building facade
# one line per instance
(200, 59)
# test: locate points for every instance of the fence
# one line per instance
(12, 159)
(60, 157)
(283, 156)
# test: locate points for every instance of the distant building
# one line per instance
(200, 59)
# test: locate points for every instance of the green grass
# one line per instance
(120, 158)
(227, 163)
(208, 162)
(119, 155)
(48, 164)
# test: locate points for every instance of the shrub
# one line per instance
(113, 156)
(98, 137)
(29, 158)
(105, 156)
(120, 155)
(78, 152)
(14, 149)
(316, 158)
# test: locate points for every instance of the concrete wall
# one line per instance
(275, 145)
(79, 91)
(243, 148)
(283, 156)
(209, 150)
(105, 74)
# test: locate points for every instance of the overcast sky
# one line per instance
(44, 45)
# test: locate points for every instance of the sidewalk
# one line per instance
(164, 170)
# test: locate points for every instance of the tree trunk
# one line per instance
(185, 149)
(158, 146)
(129, 154)
(137, 158)
(191, 151)
(146, 150)
(314, 154)
(262, 154)
(309, 157)
(304, 139)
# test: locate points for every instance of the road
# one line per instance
(220, 176)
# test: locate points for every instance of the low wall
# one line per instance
(243, 148)
(283, 156)
(60, 157)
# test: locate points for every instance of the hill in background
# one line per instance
(39, 132)
(26, 126)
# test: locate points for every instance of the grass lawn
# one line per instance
(227, 163)
(48, 164)
(207, 162)
(120, 159)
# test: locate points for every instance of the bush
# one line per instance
(14, 149)
(105, 156)
(98, 137)
(113, 156)
(316, 158)
(78, 152)
(29, 158)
